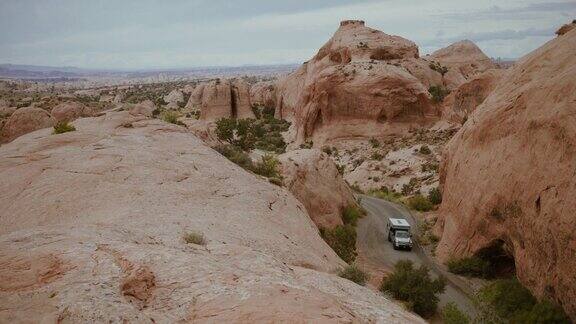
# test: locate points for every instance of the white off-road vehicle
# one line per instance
(399, 233)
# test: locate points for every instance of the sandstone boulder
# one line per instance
(241, 105)
(69, 111)
(508, 178)
(221, 98)
(93, 228)
(25, 120)
(314, 179)
(263, 94)
(145, 108)
(357, 86)
(462, 101)
(174, 98)
(464, 60)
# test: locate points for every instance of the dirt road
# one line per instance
(374, 246)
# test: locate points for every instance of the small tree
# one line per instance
(435, 196)
(414, 286)
(342, 239)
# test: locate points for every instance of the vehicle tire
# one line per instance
(389, 238)
(395, 247)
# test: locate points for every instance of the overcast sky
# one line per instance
(189, 33)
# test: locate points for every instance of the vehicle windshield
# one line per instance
(402, 234)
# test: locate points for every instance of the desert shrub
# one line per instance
(355, 274)
(195, 238)
(420, 203)
(236, 155)
(384, 193)
(452, 315)
(171, 117)
(356, 188)
(544, 312)
(438, 93)
(341, 168)
(352, 214)
(409, 187)
(374, 142)
(342, 239)
(307, 145)
(276, 181)
(424, 149)
(377, 156)
(513, 303)
(414, 286)
(435, 196)
(264, 134)
(63, 127)
(267, 167)
(327, 150)
(436, 66)
(470, 267)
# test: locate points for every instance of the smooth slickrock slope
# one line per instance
(92, 225)
(314, 179)
(509, 175)
(263, 94)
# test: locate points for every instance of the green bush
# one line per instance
(342, 239)
(424, 149)
(236, 155)
(435, 196)
(377, 156)
(351, 214)
(409, 187)
(63, 127)
(355, 274)
(194, 238)
(171, 117)
(470, 267)
(414, 286)
(268, 167)
(543, 312)
(438, 93)
(383, 193)
(276, 181)
(264, 134)
(452, 315)
(513, 303)
(420, 203)
(374, 142)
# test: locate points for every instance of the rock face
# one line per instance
(145, 108)
(69, 111)
(464, 60)
(92, 226)
(509, 174)
(263, 94)
(221, 98)
(314, 180)
(462, 101)
(357, 85)
(6, 111)
(23, 121)
(566, 28)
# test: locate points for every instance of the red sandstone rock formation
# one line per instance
(363, 82)
(25, 120)
(509, 174)
(221, 98)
